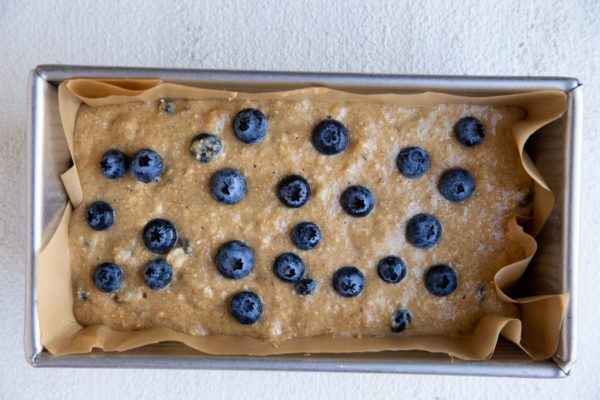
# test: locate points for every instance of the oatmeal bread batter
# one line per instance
(191, 212)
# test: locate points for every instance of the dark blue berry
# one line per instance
(235, 259)
(391, 269)
(358, 201)
(306, 235)
(250, 126)
(289, 267)
(305, 286)
(147, 166)
(348, 281)
(413, 161)
(401, 319)
(158, 274)
(114, 164)
(246, 307)
(160, 235)
(441, 280)
(423, 231)
(330, 137)
(293, 191)
(456, 185)
(469, 131)
(100, 216)
(108, 277)
(167, 106)
(205, 147)
(228, 186)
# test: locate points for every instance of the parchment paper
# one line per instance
(536, 330)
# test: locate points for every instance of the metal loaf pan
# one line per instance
(556, 151)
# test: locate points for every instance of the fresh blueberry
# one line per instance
(456, 185)
(235, 259)
(114, 164)
(306, 235)
(160, 235)
(147, 166)
(358, 201)
(246, 307)
(205, 147)
(305, 286)
(469, 131)
(289, 267)
(228, 186)
(401, 319)
(348, 281)
(100, 216)
(158, 274)
(441, 280)
(413, 161)
(250, 126)
(391, 269)
(293, 191)
(330, 137)
(108, 277)
(167, 106)
(423, 231)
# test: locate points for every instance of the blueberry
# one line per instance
(348, 281)
(289, 267)
(108, 277)
(413, 161)
(305, 286)
(147, 166)
(228, 186)
(358, 201)
(306, 235)
(469, 131)
(423, 231)
(114, 164)
(158, 274)
(401, 319)
(205, 147)
(246, 307)
(441, 280)
(330, 137)
(293, 191)
(391, 269)
(100, 216)
(159, 235)
(250, 126)
(167, 106)
(235, 259)
(456, 185)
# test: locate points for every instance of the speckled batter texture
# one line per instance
(475, 239)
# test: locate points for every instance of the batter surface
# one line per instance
(475, 241)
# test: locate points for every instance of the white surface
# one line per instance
(476, 37)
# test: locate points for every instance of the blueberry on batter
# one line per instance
(391, 269)
(114, 164)
(305, 286)
(246, 307)
(469, 131)
(306, 235)
(235, 259)
(441, 280)
(160, 235)
(250, 126)
(108, 277)
(147, 166)
(158, 274)
(357, 201)
(401, 319)
(348, 281)
(413, 161)
(100, 216)
(456, 185)
(423, 231)
(167, 106)
(205, 147)
(293, 191)
(330, 137)
(289, 267)
(228, 186)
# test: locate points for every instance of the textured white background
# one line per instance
(430, 37)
